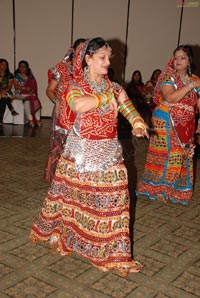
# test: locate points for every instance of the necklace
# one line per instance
(185, 79)
(95, 86)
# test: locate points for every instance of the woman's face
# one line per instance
(23, 68)
(3, 66)
(99, 62)
(181, 61)
(136, 77)
(156, 75)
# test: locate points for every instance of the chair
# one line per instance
(19, 108)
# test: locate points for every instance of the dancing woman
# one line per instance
(62, 117)
(86, 210)
(168, 174)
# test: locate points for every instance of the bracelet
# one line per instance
(103, 98)
(139, 125)
(135, 118)
(98, 101)
(128, 110)
(71, 96)
(54, 100)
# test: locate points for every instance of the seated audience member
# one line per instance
(150, 85)
(6, 83)
(137, 92)
(26, 89)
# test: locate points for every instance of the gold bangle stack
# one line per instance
(135, 118)
(140, 125)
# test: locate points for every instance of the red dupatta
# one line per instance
(62, 73)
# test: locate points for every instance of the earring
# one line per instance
(86, 69)
(189, 70)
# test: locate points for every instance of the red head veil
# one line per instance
(78, 71)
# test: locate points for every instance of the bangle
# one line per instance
(97, 101)
(135, 120)
(103, 98)
(54, 100)
(139, 125)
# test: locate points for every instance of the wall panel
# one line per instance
(190, 32)
(6, 32)
(107, 19)
(153, 34)
(43, 35)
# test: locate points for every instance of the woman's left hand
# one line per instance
(140, 132)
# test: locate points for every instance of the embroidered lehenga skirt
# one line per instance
(168, 173)
(87, 211)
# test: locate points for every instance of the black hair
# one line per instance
(75, 45)
(96, 44)
(187, 49)
(28, 72)
(152, 76)
(111, 73)
(78, 42)
(140, 80)
(7, 69)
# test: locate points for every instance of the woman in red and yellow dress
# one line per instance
(86, 210)
(168, 173)
(62, 117)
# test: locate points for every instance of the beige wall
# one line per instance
(43, 35)
(153, 34)
(44, 29)
(6, 32)
(191, 33)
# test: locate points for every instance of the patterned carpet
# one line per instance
(166, 236)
